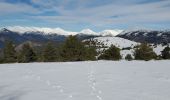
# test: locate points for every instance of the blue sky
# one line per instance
(76, 15)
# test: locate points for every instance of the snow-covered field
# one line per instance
(96, 80)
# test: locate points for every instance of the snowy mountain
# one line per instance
(60, 31)
(19, 34)
(88, 32)
(23, 30)
(37, 37)
(110, 32)
(149, 36)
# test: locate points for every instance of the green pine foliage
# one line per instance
(75, 50)
(144, 52)
(113, 53)
(27, 54)
(9, 52)
(166, 53)
(128, 57)
(91, 53)
(49, 53)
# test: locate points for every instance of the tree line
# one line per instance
(71, 50)
(75, 50)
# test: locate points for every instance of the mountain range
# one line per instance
(60, 31)
(19, 35)
(148, 36)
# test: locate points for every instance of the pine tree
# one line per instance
(9, 52)
(91, 53)
(166, 53)
(49, 53)
(144, 52)
(128, 57)
(73, 50)
(27, 54)
(113, 53)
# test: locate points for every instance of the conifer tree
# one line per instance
(166, 53)
(27, 54)
(91, 53)
(49, 53)
(113, 53)
(128, 57)
(73, 50)
(9, 52)
(144, 52)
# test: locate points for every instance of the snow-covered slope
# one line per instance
(127, 46)
(88, 32)
(149, 36)
(110, 32)
(60, 31)
(43, 30)
(119, 42)
(97, 80)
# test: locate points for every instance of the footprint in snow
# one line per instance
(56, 86)
(93, 88)
(48, 83)
(99, 97)
(100, 92)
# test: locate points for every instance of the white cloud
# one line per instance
(9, 8)
(127, 12)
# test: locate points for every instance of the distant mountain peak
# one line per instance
(88, 32)
(110, 32)
(4, 30)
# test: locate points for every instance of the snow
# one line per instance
(91, 80)
(110, 32)
(60, 31)
(117, 41)
(88, 32)
(124, 43)
(44, 30)
(159, 34)
(158, 49)
(129, 31)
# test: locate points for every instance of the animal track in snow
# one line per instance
(47, 82)
(92, 84)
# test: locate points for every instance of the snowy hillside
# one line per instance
(119, 42)
(149, 36)
(98, 80)
(124, 43)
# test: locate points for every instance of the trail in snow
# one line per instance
(92, 84)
